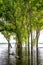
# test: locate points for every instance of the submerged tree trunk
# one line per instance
(19, 53)
(19, 48)
(28, 51)
(37, 46)
(31, 50)
(30, 16)
(8, 52)
(37, 36)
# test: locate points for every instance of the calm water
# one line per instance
(24, 56)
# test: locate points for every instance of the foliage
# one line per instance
(19, 14)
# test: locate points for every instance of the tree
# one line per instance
(21, 17)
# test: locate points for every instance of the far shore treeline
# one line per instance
(6, 43)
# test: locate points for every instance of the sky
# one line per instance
(41, 37)
(3, 39)
(40, 40)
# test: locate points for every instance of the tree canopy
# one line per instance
(19, 14)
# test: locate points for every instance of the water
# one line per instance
(13, 60)
(24, 56)
(3, 53)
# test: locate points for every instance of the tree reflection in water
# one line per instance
(24, 58)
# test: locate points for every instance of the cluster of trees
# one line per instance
(21, 18)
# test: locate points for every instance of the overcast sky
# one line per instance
(3, 39)
(41, 37)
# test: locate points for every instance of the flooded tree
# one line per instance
(20, 17)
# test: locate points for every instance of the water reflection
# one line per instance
(24, 57)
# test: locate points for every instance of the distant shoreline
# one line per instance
(6, 43)
(3, 43)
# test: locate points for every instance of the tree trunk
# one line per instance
(8, 52)
(19, 48)
(30, 16)
(31, 50)
(19, 53)
(37, 36)
(31, 63)
(28, 51)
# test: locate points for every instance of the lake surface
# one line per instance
(24, 59)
